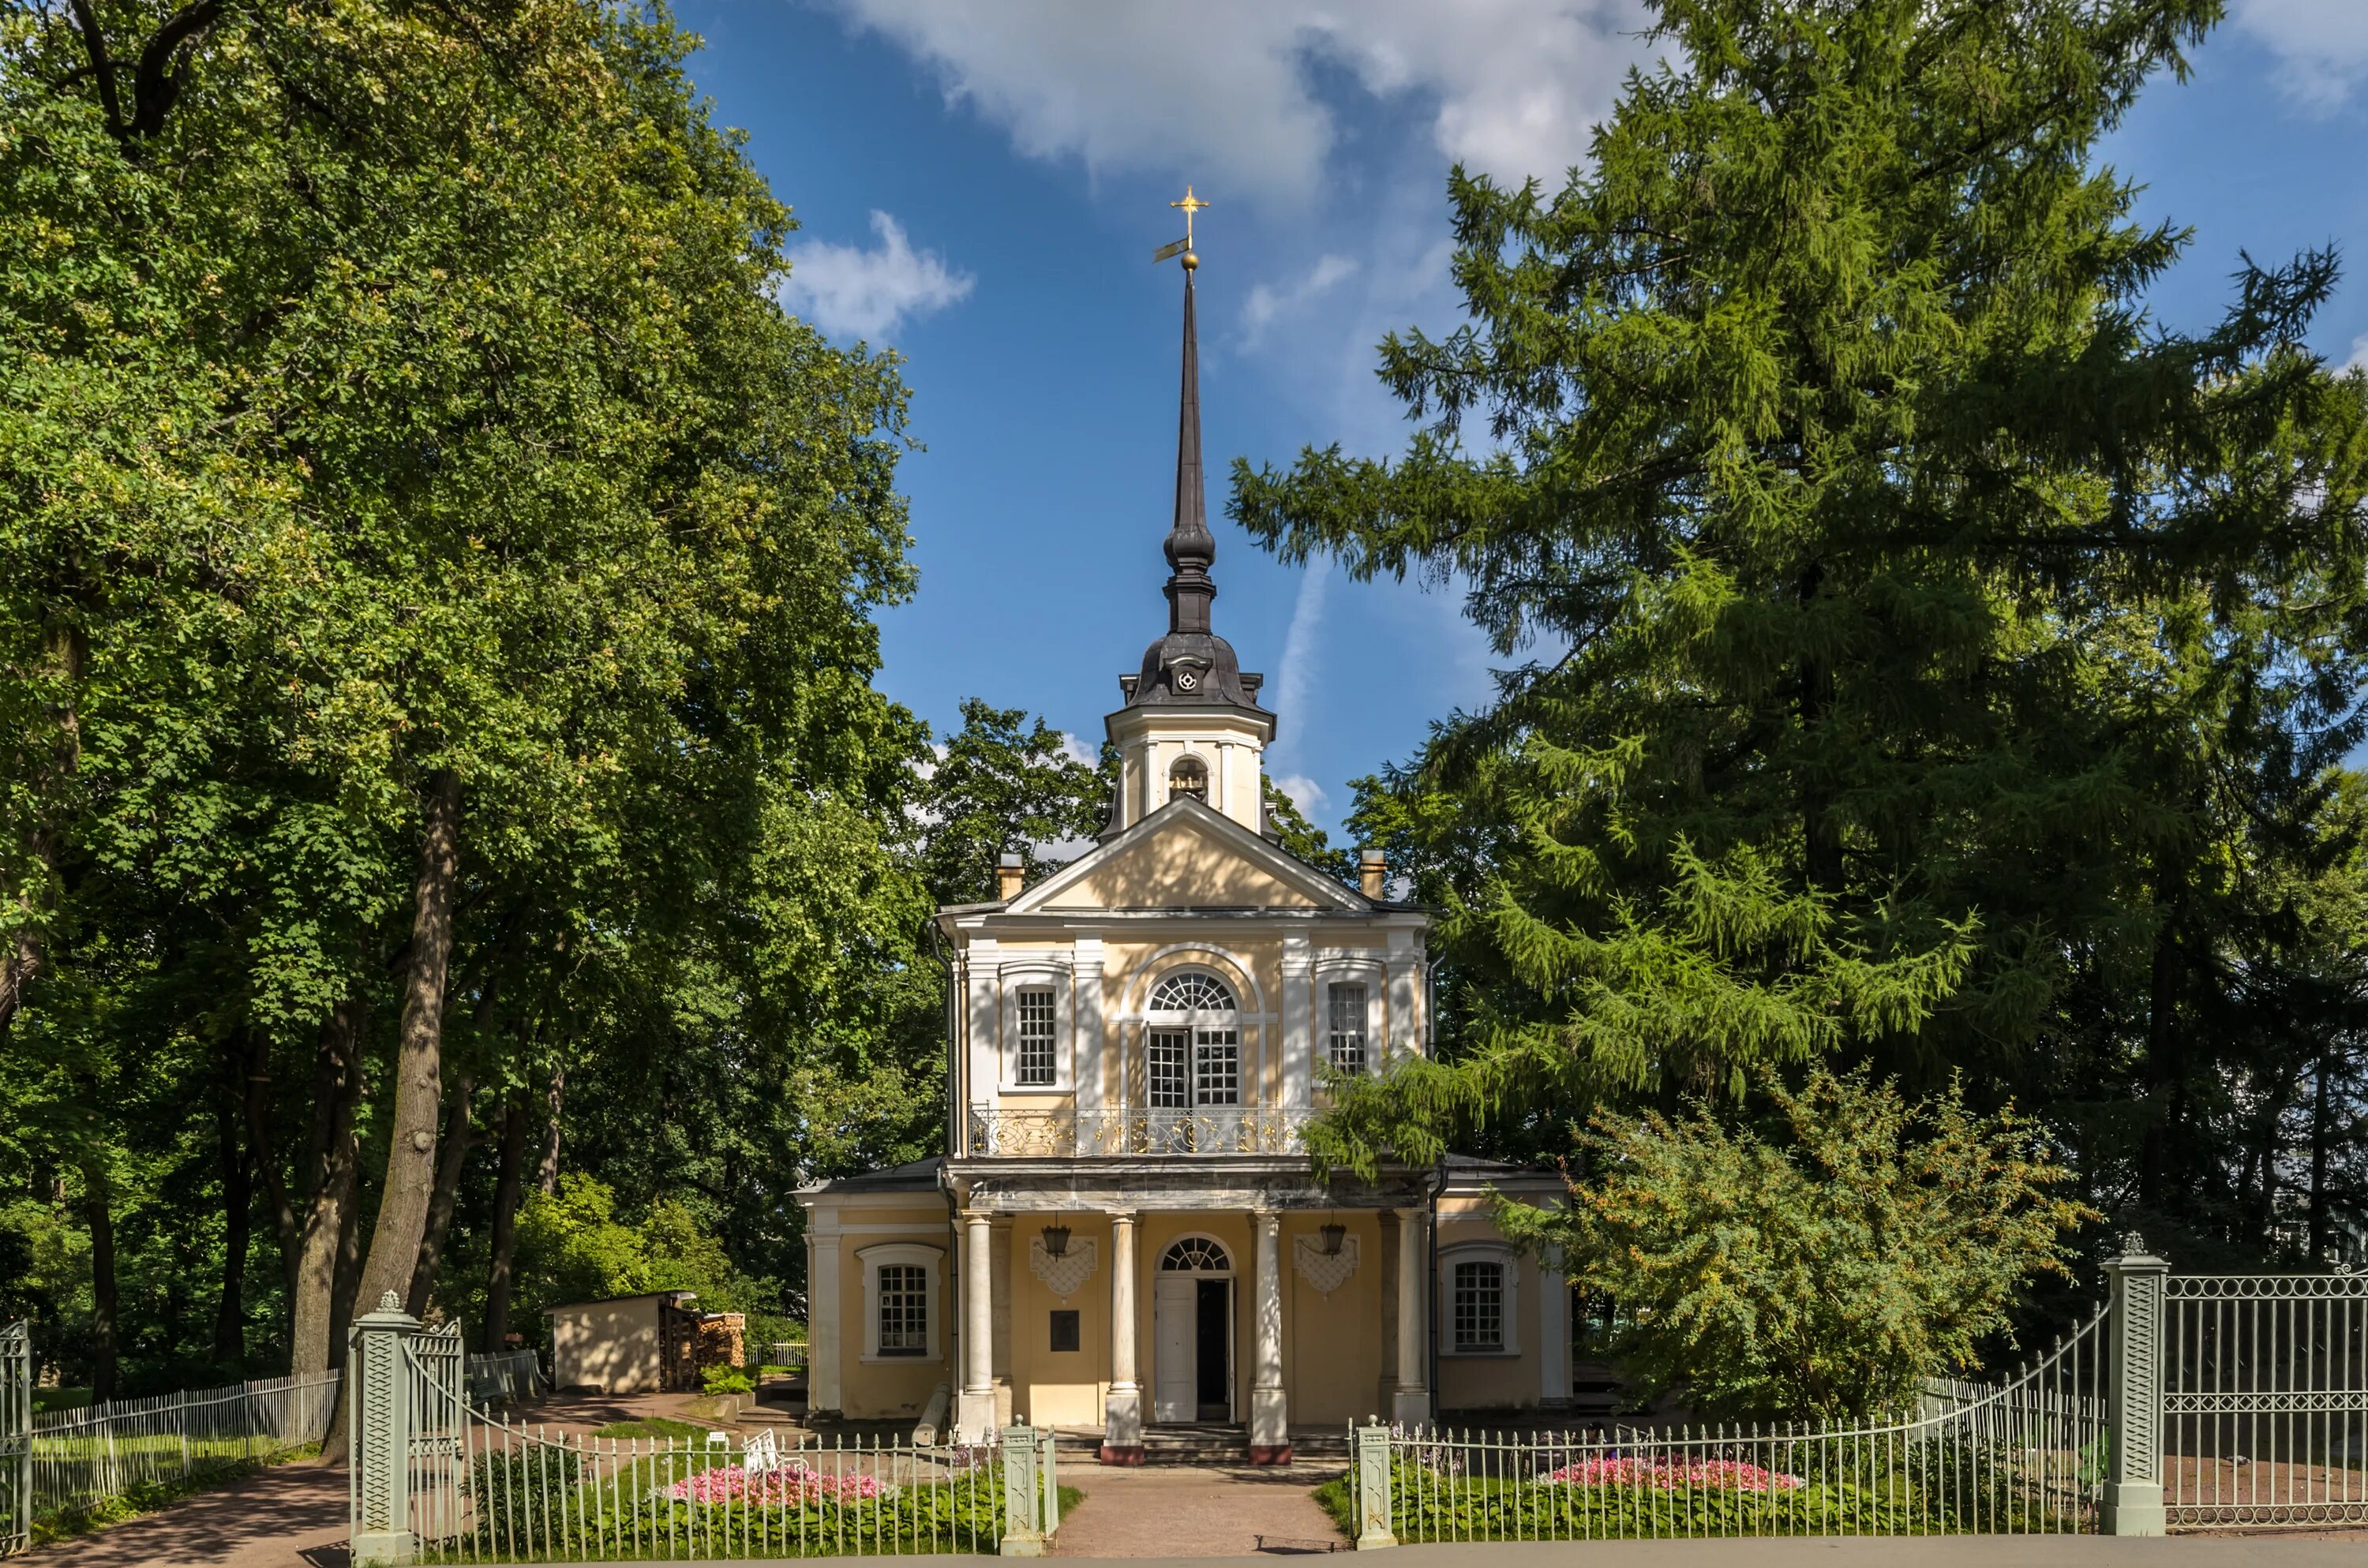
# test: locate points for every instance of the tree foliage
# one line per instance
(1934, 660)
(1822, 1268)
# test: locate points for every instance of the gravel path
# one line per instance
(1208, 1510)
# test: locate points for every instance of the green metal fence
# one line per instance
(437, 1477)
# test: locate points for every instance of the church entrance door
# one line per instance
(1192, 1334)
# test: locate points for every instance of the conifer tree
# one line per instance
(1897, 593)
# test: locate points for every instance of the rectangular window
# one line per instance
(1169, 1084)
(1217, 1068)
(1479, 1306)
(1038, 1066)
(1064, 1330)
(1348, 1029)
(904, 1310)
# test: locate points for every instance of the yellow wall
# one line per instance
(1184, 863)
(1064, 1389)
(1485, 1383)
(611, 1345)
(1332, 1351)
(897, 1387)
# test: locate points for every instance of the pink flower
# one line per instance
(1729, 1474)
(786, 1485)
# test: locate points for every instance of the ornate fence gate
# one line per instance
(2265, 1399)
(15, 1437)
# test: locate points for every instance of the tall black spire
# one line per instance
(1191, 547)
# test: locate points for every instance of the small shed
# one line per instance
(618, 1345)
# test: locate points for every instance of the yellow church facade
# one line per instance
(1125, 1229)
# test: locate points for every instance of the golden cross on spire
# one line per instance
(1190, 204)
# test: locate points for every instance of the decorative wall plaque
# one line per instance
(1327, 1271)
(1066, 1274)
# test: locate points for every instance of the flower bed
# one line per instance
(1729, 1473)
(792, 1484)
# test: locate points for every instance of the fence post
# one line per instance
(379, 1435)
(1373, 1488)
(1049, 1472)
(1023, 1499)
(2133, 1500)
(15, 1437)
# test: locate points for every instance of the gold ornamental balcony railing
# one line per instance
(1205, 1130)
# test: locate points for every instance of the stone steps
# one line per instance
(1204, 1442)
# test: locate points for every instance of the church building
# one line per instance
(1125, 1229)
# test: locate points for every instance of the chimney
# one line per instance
(1007, 876)
(1372, 871)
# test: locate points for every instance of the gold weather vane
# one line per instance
(1190, 204)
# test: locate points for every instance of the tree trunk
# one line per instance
(332, 1157)
(98, 1213)
(506, 1185)
(263, 1159)
(2165, 1066)
(63, 650)
(2321, 1128)
(452, 1158)
(238, 1202)
(410, 1186)
(546, 1177)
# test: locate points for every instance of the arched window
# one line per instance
(1195, 1255)
(1193, 1048)
(1191, 992)
(1480, 1279)
(1189, 776)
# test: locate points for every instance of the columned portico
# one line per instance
(1123, 1411)
(1410, 1402)
(1270, 1413)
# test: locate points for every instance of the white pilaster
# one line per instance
(981, 1070)
(1087, 965)
(1405, 967)
(974, 1419)
(1298, 1022)
(1269, 1411)
(1223, 798)
(823, 1368)
(1123, 1411)
(1410, 1403)
(1553, 1331)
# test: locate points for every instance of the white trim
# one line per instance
(1148, 973)
(1508, 1297)
(1285, 869)
(1342, 969)
(1158, 1264)
(1035, 973)
(931, 1258)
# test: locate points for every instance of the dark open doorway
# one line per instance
(1214, 1346)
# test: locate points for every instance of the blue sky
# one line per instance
(981, 183)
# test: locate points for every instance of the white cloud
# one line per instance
(1293, 688)
(2359, 360)
(852, 292)
(1076, 750)
(1264, 303)
(1305, 792)
(1226, 91)
(2321, 45)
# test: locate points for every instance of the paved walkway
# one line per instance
(1223, 1510)
(287, 1516)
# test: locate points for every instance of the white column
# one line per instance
(1270, 1413)
(1411, 1402)
(1298, 1022)
(975, 1417)
(823, 1368)
(980, 1067)
(1123, 1411)
(1088, 969)
(1553, 1331)
(1006, 1235)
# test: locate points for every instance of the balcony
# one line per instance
(1206, 1130)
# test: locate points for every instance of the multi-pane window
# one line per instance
(1347, 1027)
(1217, 1067)
(1169, 1058)
(1037, 1065)
(904, 1310)
(1479, 1306)
(1191, 992)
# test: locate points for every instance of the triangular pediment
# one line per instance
(1186, 856)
